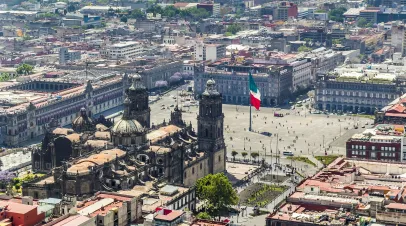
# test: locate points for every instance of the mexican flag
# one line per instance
(255, 95)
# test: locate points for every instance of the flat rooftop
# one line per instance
(237, 171)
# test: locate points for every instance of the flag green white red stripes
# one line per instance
(255, 95)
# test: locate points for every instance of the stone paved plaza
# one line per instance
(310, 129)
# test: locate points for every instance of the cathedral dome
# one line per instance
(82, 122)
(127, 126)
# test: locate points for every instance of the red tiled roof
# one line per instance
(170, 216)
(397, 108)
(398, 206)
(396, 115)
(17, 207)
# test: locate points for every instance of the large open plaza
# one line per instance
(297, 131)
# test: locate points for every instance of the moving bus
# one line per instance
(288, 153)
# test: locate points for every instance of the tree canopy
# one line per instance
(234, 28)
(137, 14)
(217, 191)
(254, 155)
(337, 14)
(25, 69)
(362, 22)
(304, 49)
(203, 216)
(171, 11)
(124, 19)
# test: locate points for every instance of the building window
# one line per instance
(185, 174)
(373, 148)
(201, 165)
(373, 155)
(193, 170)
(219, 158)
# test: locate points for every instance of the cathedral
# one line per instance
(102, 155)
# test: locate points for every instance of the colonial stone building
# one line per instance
(23, 120)
(97, 156)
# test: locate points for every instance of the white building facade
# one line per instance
(124, 50)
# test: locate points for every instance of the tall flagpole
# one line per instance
(250, 118)
(249, 97)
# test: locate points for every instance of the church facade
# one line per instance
(99, 155)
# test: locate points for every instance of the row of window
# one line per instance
(359, 94)
(373, 154)
(373, 148)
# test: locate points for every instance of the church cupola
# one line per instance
(83, 122)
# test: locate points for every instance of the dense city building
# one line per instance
(136, 152)
(45, 98)
(274, 81)
(348, 89)
(123, 112)
(382, 143)
(346, 191)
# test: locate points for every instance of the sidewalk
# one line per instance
(315, 161)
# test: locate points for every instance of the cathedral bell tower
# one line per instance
(137, 105)
(210, 127)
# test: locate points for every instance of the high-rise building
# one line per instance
(398, 34)
(66, 55)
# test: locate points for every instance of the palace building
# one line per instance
(98, 155)
(25, 107)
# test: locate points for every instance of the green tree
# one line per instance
(304, 49)
(337, 14)
(307, 39)
(244, 155)
(170, 11)
(4, 77)
(203, 216)
(47, 15)
(137, 14)
(25, 69)
(254, 155)
(71, 7)
(234, 153)
(362, 22)
(234, 28)
(217, 191)
(155, 9)
(336, 41)
(124, 19)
